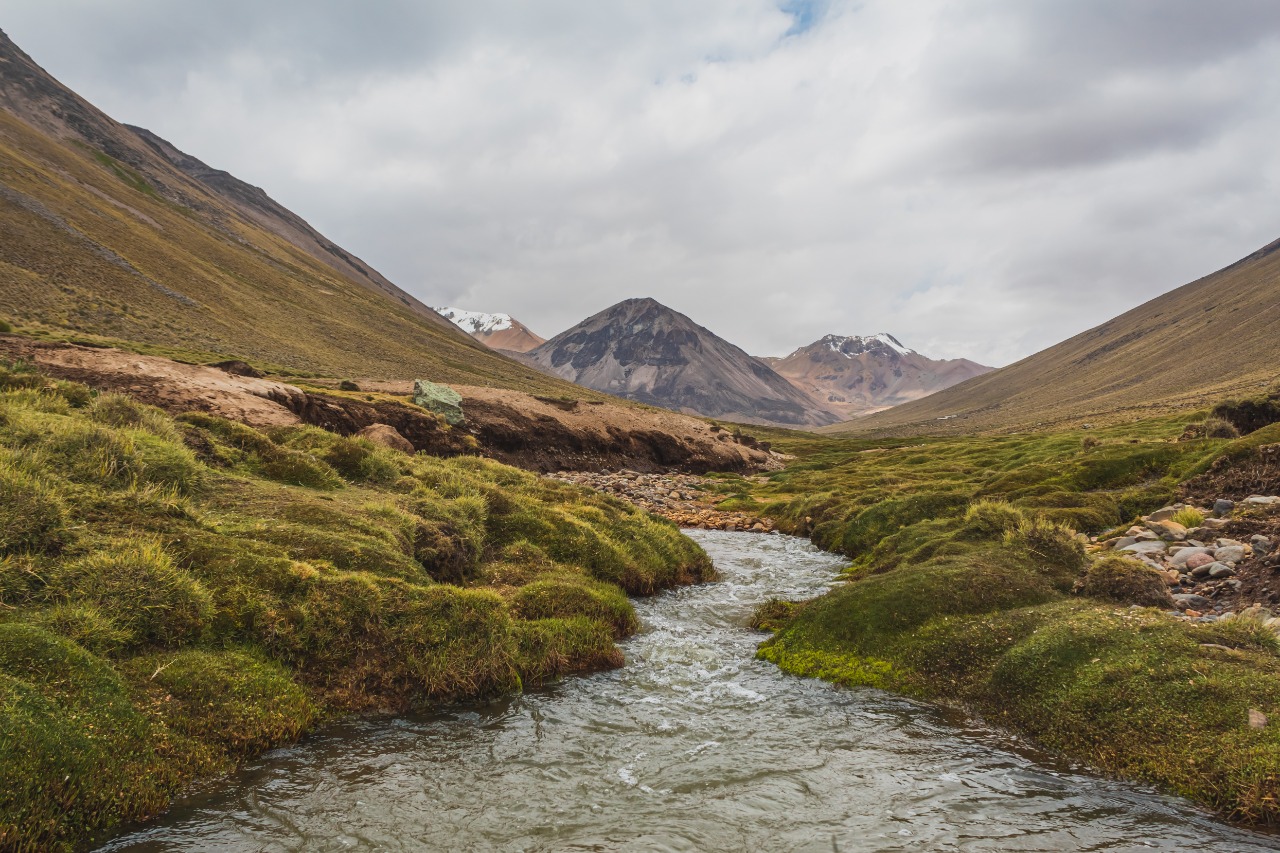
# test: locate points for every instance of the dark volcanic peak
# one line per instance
(643, 350)
(856, 375)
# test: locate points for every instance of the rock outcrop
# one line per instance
(1217, 560)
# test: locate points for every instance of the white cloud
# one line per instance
(979, 178)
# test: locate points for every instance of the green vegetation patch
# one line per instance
(986, 600)
(177, 595)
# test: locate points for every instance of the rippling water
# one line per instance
(692, 746)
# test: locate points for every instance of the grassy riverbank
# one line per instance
(176, 595)
(964, 562)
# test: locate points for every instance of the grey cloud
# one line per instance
(980, 178)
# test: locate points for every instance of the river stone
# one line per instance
(1168, 530)
(440, 399)
(1262, 500)
(385, 435)
(1189, 600)
(1163, 514)
(1221, 570)
(1222, 506)
(1229, 554)
(1123, 542)
(1182, 555)
(1146, 547)
(1195, 561)
(1261, 545)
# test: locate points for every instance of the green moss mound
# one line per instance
(233, 699)
(77, 758)
(149, 598)
(32, 516)
(1126, 581)
(570, 596)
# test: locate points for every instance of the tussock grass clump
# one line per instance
(148, 597)
(355, 459)
(1126, 581)
(86, 625)
(366, 639)
(118, 410)
(231, 698)
(991, 519)
(774, 613)
(21, 576)
(1053, 549)
(547, 649)
(1218, 428)
(229, 444)
(1188, 517)
(576, 596)
(77, 758)
(32, 516)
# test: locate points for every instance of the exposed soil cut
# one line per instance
(538, 433)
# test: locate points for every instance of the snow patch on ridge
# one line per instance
(476, 322)
(851, 345)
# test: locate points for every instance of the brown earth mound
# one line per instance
(537, 433)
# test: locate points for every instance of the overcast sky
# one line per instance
(981, 178)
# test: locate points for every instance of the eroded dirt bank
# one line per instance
(536, 433)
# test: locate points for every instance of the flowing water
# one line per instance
(692, 746)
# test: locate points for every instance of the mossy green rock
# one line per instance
(440, 399)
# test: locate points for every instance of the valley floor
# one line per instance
(180, 592)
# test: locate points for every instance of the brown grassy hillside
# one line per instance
(1216, 337)
(102, 234)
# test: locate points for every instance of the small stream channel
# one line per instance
(692, 746)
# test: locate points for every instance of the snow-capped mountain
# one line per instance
(498, 331)
(857, 375)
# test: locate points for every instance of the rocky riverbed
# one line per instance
(686, 499)
(1219, 560)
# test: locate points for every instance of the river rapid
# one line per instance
(693, 745)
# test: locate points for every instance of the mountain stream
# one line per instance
(693, 745)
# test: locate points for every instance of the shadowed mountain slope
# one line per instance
(1218, 336)
(856, 375)
(642, 350)
(107, 230)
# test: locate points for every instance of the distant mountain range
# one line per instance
(497, 331)
(642, 350)
(854, 376)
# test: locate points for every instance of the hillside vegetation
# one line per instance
(176, 595)
(110, 233)
(969, 585)
(1180, 352)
